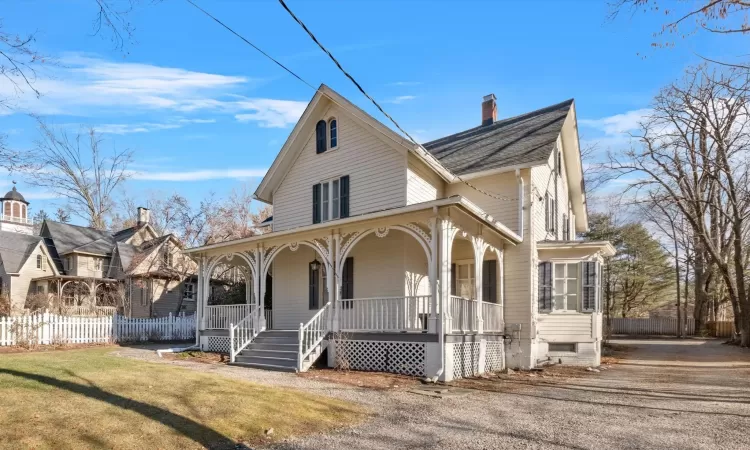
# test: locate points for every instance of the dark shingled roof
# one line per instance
(518, 140)
(15, 248)
(13, 194)
(67, 237)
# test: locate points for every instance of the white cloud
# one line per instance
(400, 99)
(619, 123)
(271, 113)
(92, 87)
(199, 175)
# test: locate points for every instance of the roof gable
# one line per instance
(16, 249)
(321, 101)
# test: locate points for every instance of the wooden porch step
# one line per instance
(269, 360)
(253, 351)
(279, 346)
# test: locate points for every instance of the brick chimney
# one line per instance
(489, 110)
(144, 215)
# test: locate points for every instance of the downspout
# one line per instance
(520, 202)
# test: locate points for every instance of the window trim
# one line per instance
(329, 133)
(597, 286)
(327, 201)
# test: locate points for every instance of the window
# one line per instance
(464, 279)
(41, 262)
(566, 227)
(562, 347)
(189, 292)
(98, 264)
(331, 200)
(566, 287)
(320, 137)
(334, 133)
(489, 281)
(40, 289)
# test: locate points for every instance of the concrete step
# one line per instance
(251, 351)
(282, 347)
(265, 366)
(269, 360)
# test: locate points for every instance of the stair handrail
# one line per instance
(312, 333)
(242, 334)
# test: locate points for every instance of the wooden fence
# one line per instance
(666, 327)
(53, 329)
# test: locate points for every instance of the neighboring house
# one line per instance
(80, 269)
(446, 259)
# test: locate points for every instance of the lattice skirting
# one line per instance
(406, 358)
(494, 356)
(465, 359)
(219, 344)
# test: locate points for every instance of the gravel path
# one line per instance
(668, 394)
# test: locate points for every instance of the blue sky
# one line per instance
(204, 112)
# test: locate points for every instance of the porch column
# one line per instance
(201, 293)
(479, 249)
(335, 284)
(501, 282)
(432, 321)
(261, 286)
(445, 236)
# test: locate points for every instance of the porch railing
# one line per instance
(221, 316)
(8, 218)
(463, 314)
(384, 313)
(492, 316)
(242, 334)
(268, 314)
(311, 335)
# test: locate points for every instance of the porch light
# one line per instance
(315, 265)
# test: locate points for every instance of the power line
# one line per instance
(288, 70)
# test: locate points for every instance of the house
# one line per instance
(82, 270)
(444, 260)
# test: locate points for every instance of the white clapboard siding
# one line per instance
(53, 329)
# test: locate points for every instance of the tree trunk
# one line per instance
(699, 308)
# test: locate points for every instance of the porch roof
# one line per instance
(605, 247)
(458, 201)
(75, 278)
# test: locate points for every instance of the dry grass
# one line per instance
(91, 399)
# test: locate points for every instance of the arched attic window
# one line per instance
(320, 137)
(333, 132)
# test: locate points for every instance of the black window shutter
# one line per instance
(320, 137)
(316, 203)
(489, 281)
(314, 288)
(344, 196)
(545, 286)
(453, 279)
(347, 282)
(589, 285)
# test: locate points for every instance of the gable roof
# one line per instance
(525, 139)
(289, 151)
(67, 238)
(15, 249)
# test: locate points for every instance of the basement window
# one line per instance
(562, 347)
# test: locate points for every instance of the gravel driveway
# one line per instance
(666, 394)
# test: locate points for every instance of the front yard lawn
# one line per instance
(91, 399)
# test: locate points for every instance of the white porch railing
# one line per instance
(384, 313)
(95, 311)
(311, 335)
(221, 316)
(268, 314)
(463, 314)
(242, 334)
(17, 219)
(492, 316)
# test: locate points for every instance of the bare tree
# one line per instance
(78, 171)
(694, 152)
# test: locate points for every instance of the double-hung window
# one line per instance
(550, 213)
(569, 286)
(331, 200)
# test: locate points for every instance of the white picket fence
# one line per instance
(49, 329)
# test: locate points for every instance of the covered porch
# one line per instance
(407, 277)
